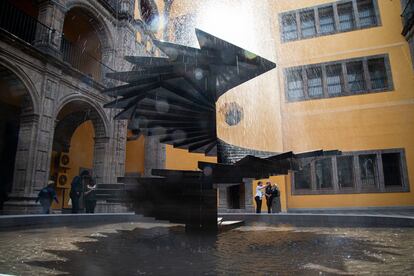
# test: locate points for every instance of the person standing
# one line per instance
(76, 188)
(46, 197)
(268, 195)
(275, 199)
(90, 195)
(259, 196)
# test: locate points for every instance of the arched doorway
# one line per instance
(76, 146)
(85, 43)
(15, 103)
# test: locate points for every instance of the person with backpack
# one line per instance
(275, 198)
(46, 197)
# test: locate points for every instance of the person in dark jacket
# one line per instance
(90, 195)
(268, 195)
(46, 197)
(76, 190)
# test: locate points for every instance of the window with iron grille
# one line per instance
(355, 71)
(290, 28)
(345, 171)
(356, 172)
(326, 19)
(295, 84)
(366, 11)
(314, 76)
(327, 80)
(323, 173)
(334, 79)
(378, 73)
(346, 17)
(303, 178)
(307, 23)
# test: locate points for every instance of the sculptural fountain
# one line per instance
(174, 98)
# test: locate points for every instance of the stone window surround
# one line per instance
(345, 87)
(316, 9)
(357, 189)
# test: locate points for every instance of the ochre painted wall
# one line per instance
(180, 159)
(135, 154)
(81, 156)
(363, 122)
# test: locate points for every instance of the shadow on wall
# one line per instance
(168, 250)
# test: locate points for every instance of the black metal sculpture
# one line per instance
(174, 97)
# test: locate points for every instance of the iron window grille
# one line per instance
(339, 78)
(326, 19)
(374, 171)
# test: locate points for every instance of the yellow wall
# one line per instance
(180, 159)
(135, 154)
(363, 122)
(81, 156)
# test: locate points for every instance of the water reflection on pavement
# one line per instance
(157, 249)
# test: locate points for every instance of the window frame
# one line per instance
(334, 7)
(344, 78)
(357, 186)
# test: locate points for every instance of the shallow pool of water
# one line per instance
(156, 249)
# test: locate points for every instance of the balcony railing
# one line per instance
(408, 17)
(82, 61)
(29, 29)
(22, 25)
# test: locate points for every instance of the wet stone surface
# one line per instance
(162, 249)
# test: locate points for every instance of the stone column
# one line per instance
(155, 155)
(101, 162)
(24, 163)
(49, 32)
(249, 195)
(222, 195)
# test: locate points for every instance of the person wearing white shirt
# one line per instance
(259, 196)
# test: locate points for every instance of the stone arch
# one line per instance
(20, 115)
(73, 111)
(101, 27)
(33, 95)
(98, 116)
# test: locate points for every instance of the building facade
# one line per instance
(53, 58)
(344, 81)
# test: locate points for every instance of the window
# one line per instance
(326, 20)
(366, 12)
(368, 167)
(315, 88)
(362, 75)
(391, 162)
(371, 171)
(307, 20)
(356, 80)
(295, 84)
(290, 28)
(345, 168)
(378, 73)
(323, 169)
(334, 79)
(303, 178)
(340, 16)
(346, 17)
